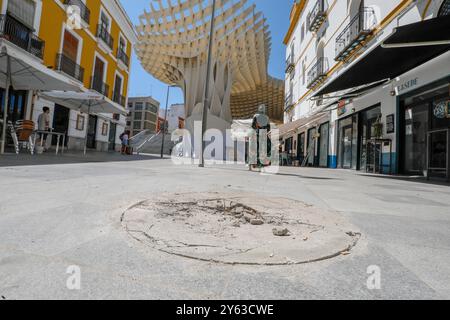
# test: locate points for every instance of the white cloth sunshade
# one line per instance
(29, 73)
(87, 102)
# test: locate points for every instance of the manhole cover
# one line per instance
(239, 229)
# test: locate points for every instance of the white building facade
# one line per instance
(380, 125)
(176, 116)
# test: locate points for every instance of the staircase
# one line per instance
(147, 142)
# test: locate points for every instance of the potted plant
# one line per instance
(378, 128)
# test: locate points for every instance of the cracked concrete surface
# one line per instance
(221, 228)
(68, 213)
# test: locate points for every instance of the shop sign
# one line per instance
(342, 107)
(440, 110)
(407, 85)
(390, 123)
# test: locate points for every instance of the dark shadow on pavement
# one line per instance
(417, 179)
(23, 159)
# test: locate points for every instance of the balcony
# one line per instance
(317, 73)
(290, 64)
(103, 34)
(288, 103)
(20, 35)
(122, 56)
(317, 16)
(98, 85)
(69, 67)
(118, 98)
(85, 13)
(355, 33)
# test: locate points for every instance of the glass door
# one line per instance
(347, 138)
(112, 137)
(92, 132)
(323, 145)
(438, 153)
(311, 153)
(301, 147)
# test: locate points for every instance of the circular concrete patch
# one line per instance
(239, 229)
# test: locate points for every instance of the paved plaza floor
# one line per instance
(58, 212)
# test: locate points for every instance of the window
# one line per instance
(138, 116)
(104, 21)
(22, 10)
(137, 125)
(139, 106)
(302, 35)
(105, 127)
(80, 122)
(150, 117)
(151, 108)
(122, 44)
(445, 9)
(149, 126)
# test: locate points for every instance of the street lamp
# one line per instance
(208, 75)
(165, 120)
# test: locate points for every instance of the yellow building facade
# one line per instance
(88, 41)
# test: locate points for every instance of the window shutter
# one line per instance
(22, 10)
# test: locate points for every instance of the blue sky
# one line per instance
(277, 14)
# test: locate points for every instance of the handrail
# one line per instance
(319, 8)
(147, 141)
(21, 35)
(142, 133)
(318, 70)
(362, 22)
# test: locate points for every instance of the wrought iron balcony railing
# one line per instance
(317, 73)
(118, 98)
(355, 33)
(98, 85)
(22, 36)
(104, 35)
(317, 16)
(122, 56)
(290, 63)
(85, 13)
(289, 102)
(69, 67)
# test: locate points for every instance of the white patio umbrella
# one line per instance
(23, 71)
(86, 102)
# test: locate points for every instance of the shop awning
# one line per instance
(288, 128)
(87, 102)
(407, 48)
(29, 73)
(22, 71)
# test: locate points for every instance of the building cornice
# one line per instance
(116, 9)
(296, 12)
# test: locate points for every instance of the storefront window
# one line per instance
(348, 142)
(425, 128)
(368, 119)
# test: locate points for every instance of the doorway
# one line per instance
(112, 137)
(311, 153)
(60, 122)
(301, 147)
(91, 132)
(323, 145)
(346, 143)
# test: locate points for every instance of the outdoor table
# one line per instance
(51, 133)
